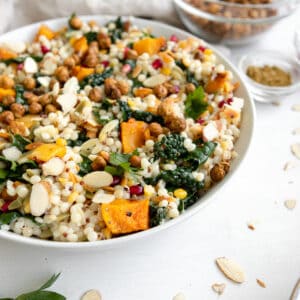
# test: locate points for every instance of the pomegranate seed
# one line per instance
(221, 103)
(105, 63)
(116, 180)
(156, 64)
(44, 49)
(5, 206)
(174, 38)
(136, 190)
(229, 101)
(202, 48)
(200, 121)
(20, 67)
(126, 50)
(126, 68)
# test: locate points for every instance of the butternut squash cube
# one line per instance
(124, 216)
(45, 152)
(132, 135)
(45, 31)
(149, 45)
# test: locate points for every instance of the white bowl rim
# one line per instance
(112, 243)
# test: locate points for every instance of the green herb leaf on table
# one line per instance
(41, 295)
(50, 282)
(195, 104)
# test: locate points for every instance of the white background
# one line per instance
(181, 259)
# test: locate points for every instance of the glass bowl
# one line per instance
(229, 22)
(265, 93)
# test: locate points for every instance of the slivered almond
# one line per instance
(261, 283)
(296, 107)
(295, 148)
(231, 269)
(251, 226)
(290, 204)
(39, 198)
(91, 295)
(108, 128)
(136, 71)
(218, 288)
(53, 167)
(289, 165)
(155, 80)
(98, 179)
(296, 131)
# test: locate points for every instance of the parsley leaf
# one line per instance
(85, 166)
(195, 104)
(120, 164)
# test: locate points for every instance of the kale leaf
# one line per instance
(20, 94)
(20, 142)
(79, 141)
(139, 115)
(157, 215)
(170, 147)
(96, 79)
(91, 36)
(190, 77)
(195, 103)
(116, 33)
(8, 217)
(100, 119)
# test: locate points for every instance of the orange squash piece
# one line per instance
(6, 92)
(218, 84)
(45, 152)
(45, 31)
(81, 72)
(124, 216)
(142, 92)
(132, 135)
(81, 45)
(149, 45)
(7, 54)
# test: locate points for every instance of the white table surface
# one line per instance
(181, 259)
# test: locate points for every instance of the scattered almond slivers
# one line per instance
(231, 269)
(218, 288)
(251, 226)
(91, 295)
(295, 148)
(261, 283)
(296, 107)
(296, 131)
(290, 204)
(289, 165)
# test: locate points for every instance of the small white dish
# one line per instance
(269, 94)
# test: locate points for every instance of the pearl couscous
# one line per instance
(109, 130)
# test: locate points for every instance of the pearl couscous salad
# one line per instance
(109, 130)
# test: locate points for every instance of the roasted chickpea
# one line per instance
(99, 163)
(189, 88)
(160, 91)
(135, 161)
(70, 62)
(17, 109)
(8, 100)
(123, 87)
(6, 117)
(91, 60)
(217, 173)
(32, 99)
(75, 22)
(62, 74)
(50, 108)
(155, 129)
(45, 99)
(35, 108)
(29, 83)
(6, 82)
(95, 94)
(104, 41)
(105, 155)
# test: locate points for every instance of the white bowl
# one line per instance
(242, 146)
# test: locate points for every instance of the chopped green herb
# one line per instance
(85, 166)
(91, 36)
(195, 104)
(19, 94)
(100, 119)
(79, 141)
(8, 217)
(191, 78)
(20, 142)
(157, 215)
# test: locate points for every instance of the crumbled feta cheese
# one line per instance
(67, 102)
(12, 153)
(210, 132)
